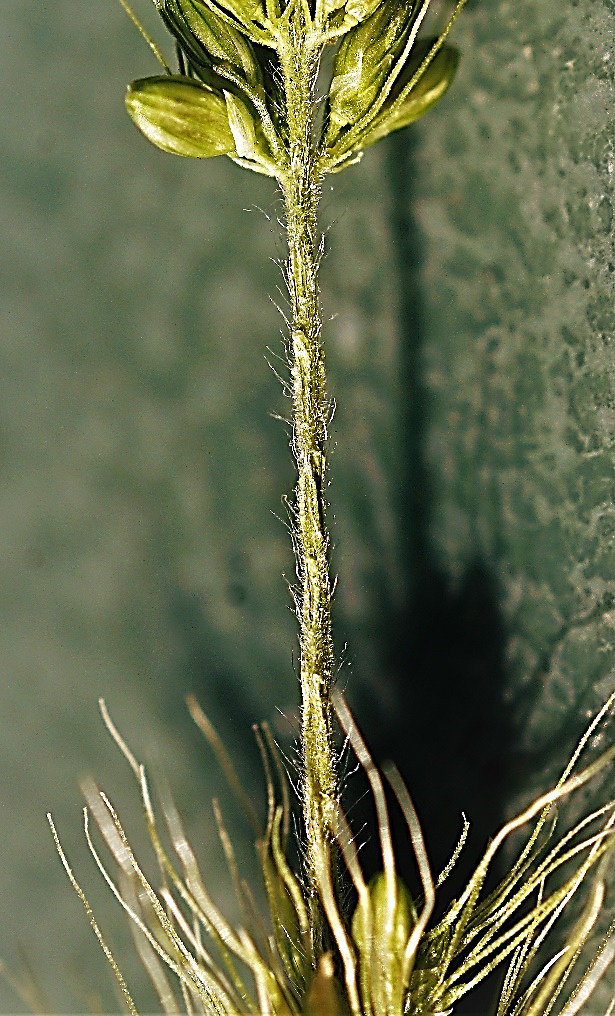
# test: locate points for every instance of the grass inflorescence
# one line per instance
(333, 941)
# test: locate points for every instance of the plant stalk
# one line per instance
(300, 186)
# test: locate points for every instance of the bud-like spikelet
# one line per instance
(208, 39)
(181, 116)
(366, 57)
(405, 105)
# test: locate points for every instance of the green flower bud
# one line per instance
(381, 938)
(429, 88)
(364, 60)
(181, 116)
(404, 917)
(207, 38)
(402, 106)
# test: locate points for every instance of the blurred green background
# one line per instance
(469, 294)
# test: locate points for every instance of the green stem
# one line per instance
(300, 185)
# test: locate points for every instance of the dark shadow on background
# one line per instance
(442, 652)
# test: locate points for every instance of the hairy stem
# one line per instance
(301, 189)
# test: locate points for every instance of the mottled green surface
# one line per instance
(520, 304)
(471, 279)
